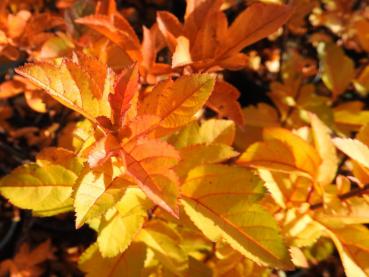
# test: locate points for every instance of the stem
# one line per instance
(291, 109)
(347, 195)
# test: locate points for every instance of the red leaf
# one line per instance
(125, 90)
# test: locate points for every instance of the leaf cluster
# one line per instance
(161, 160)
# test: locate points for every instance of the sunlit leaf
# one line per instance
(243, 224)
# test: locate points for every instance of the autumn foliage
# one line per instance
(150, 146)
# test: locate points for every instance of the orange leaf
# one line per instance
(257, 22)
(223, 100)
(26, 262)
(170, 27)
(115, 28)
(149, 162)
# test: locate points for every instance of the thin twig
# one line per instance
(352, 193)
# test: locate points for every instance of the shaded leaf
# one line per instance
(338, 69)
(129, 263)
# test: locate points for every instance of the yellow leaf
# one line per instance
(129, 263)
(353, 246)
(42, 189)
(338, 69)
(200, 154)
(211, 131)
(56, 46)
(282, 151)
(96, 191)
(327, 151)
(181, 55)
(354, 211)
(75, 134)
(82, 84)
(118, 228)
(350, 116)
(273, 187)
(361, 82)
(256, 118)
(217, 131)
(188, 135)
(231, 263)
(59, 156)
(354, 149)
(220, 200)
(164, 241)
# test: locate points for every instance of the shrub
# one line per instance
(160, 159)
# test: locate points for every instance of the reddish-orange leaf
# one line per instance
(257, 22)
(149, 162)
(27, 262)
(125, 95)
(223, 100)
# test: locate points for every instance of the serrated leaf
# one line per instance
(124, 98)
(355, 149)
(129, 263)
(221, 210)
(164, 241)
(149, 163)
(39, 188)
(82, 85)
(117, 230)
(273, 187)
(177, 102)
(97, 191)
(282, 151)
(354, 211)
